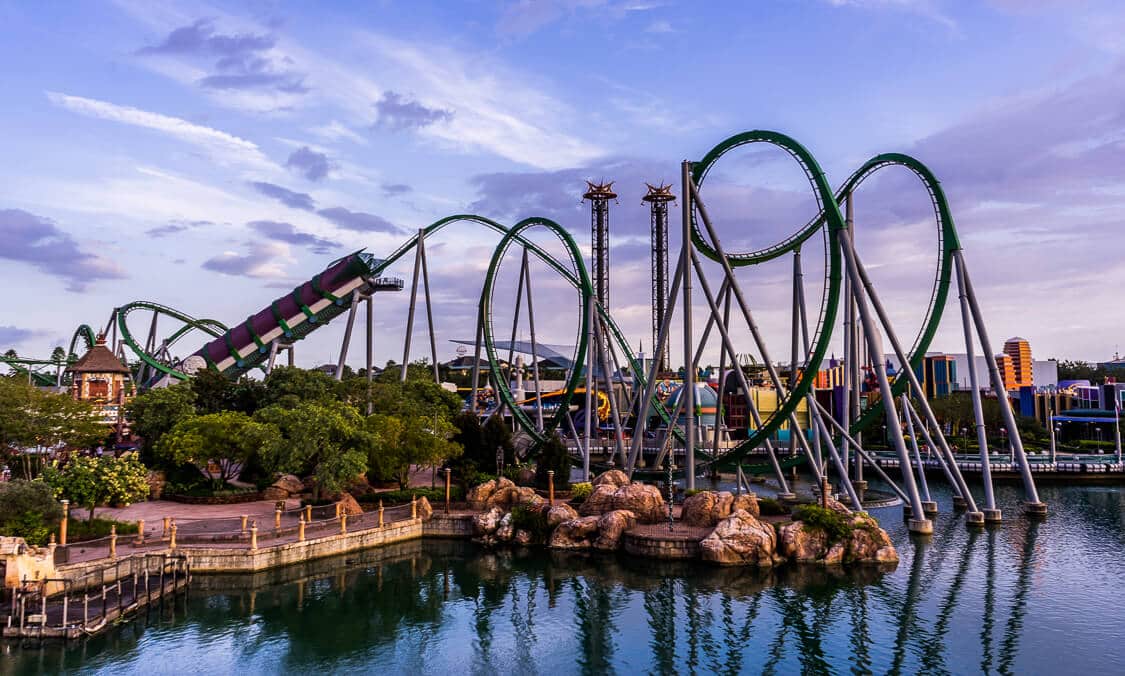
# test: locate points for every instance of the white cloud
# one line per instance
(222, 147)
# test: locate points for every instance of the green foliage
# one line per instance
(154, 413)
(531, 520)
(33, 417)
(553, 455)
(402, 441)
(771, 507)
(1083, 370)
(325, 438)
(215, 392)
(580, 491)
(28, 509)
(289, 386)
(436, 496)
(834, 524)
(88, 481)
(228, 439)
(496, 434)
(419, 395)
(78, 530)
(693, 491)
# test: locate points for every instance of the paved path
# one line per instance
(155, 510)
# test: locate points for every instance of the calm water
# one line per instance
(1046, 598)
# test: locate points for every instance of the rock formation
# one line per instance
(741, 540)
(708, 508)
(611, 528)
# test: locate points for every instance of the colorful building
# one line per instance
(1024, 369)
(937, 374)
(1007, 372)
(100, 378)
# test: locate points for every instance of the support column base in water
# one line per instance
(993, 516)
(930, 508)
(1035, 508)
(974, 519)
(786, 497)
(921, 526)
(960, 502)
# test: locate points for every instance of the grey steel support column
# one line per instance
(688, 392)
(861, 454)
(693, 197)
(370, 356)
(413, 302)
(728, 346)
(590, 413)
(339, 375)
(928, 505)
(534, 349)
(291, 356)
(1033, 505)
(853, 330)
(476, 363)
(650, 383)
(1117, 429)
(722, 376)
(956, 481)
(516, 315)
(1051, 426)
(991, 513)
(820, 469)
(615, 415)
(836, 460)
(973, 515)
(795, 342)
(919, 523)
(272, 356)
(429, 306)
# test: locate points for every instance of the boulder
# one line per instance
(802, 544)
(560, 513)
(504, 530)
(574, 534)
(708, 508)
(478, 495)
(349, 506)
(837, 506)
(359, 486)
(613, 477)
(525, 477)
(486, 523)
(869, 543)
(741, 540)
(522, 537)
(284, 488)
(643, 500)
(611, 526)
(275, 493)
(600, 501)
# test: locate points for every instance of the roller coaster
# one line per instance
(827, 442)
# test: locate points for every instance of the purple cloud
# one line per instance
(286, 232)
(397, 113)
(296, 200)
(395, 189)
(359, 221)
(27, 238)
(309, 163)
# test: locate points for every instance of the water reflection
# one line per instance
(957, 603)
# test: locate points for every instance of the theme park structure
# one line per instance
(602, 361)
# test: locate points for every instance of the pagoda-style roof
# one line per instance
(98, 359)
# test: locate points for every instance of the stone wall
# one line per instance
(661, 547)
(442, 525)
(229, 560)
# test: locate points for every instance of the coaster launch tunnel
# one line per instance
(287, 319)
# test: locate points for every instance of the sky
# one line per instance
(210, 157)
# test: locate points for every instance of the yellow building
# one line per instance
(1023, 372)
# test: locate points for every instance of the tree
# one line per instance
(28, 509)
(32, 417)
(553, 455)
(402, 442)
(289, 386)
(227, 439)
(90, 481)
(495, 435)
(154, 413)
(11, 354)
(324, 438)
(216, 392)
(58, 354)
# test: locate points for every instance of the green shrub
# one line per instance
(28, 509)
(580, 491)
(531, 520)
(693, 491)
(206, 489)
(771, 507)
(834, 524)
(434, 495)
(553, 456)
(92, 529)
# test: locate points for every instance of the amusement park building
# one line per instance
(100, 378)
(1019, 350)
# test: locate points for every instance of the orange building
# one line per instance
(1020, 351)
(1007, 371)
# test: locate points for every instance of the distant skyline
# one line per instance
(211, 156)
